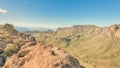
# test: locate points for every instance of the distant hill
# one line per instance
(22, 29)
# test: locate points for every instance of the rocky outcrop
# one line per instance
(8, 35)
(114, 27)
(117, 34)
(10, 28)
(41, 56)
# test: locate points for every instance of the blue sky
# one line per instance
(59, 13)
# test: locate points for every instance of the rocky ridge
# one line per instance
(41, 56)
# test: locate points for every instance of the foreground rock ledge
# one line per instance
(41, 56)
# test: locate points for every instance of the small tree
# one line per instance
(78, 36)
(67, 40)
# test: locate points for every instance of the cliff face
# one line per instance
(41, 56)
(76, 29)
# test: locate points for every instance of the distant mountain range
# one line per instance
(24, 29)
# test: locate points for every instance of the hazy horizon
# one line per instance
(59, 13)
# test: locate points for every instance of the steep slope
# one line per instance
(41, 56)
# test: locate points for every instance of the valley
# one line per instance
(92, 45)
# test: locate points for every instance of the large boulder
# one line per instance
(41, 56)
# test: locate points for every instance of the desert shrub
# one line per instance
(15, 41)
(9, 40)
(3, 55)
(2, 59)
(10, 49)
(67, 40)
(78, 36)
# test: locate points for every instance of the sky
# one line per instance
(59, 13)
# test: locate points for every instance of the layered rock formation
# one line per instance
(41, 56)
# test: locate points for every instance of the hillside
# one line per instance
(92, 45)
